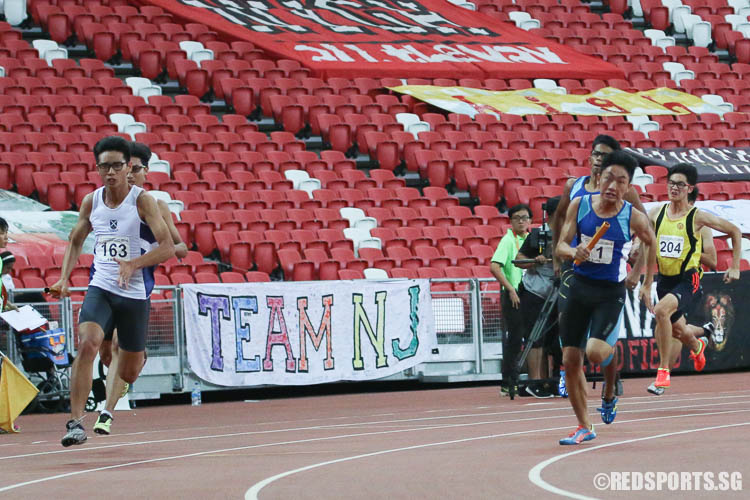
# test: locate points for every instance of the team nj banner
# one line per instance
(608, 101)
(307, 333)
(390, 38)
(713, 164)
(721, 304)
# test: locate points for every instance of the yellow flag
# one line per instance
(16, 392)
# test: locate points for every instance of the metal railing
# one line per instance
(467, 319)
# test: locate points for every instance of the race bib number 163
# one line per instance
(113, 248)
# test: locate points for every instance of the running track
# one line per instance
(465, 443)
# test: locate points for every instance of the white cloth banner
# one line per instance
(307, 333)
(735, 211)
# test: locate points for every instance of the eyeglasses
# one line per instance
(115, 165)
(520, 218)
(137, 168)
(678, 185)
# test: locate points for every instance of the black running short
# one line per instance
(592, 309)
(110, 311)
(687, 288)
(566, 275)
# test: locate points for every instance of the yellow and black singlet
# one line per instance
(678, 247)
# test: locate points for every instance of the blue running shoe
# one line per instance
(608, 411)
(579, 435)
(562, 389)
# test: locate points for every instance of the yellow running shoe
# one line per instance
(103, 424)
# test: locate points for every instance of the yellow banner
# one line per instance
(16, 392)
(608, 101)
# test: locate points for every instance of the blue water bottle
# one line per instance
(195, 395)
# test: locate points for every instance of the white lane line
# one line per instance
(414, 421)
(332, 438)
(535, 473)
(252, 492)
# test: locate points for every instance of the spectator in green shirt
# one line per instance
(510, 277)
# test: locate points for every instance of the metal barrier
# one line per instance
(467, 320)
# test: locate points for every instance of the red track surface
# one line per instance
(452, 443)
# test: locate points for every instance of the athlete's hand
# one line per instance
(59, 289)
(644, 295)
(127, 268)
(632, 279)
(105, 352)
(732, 274)
(541, 259)
(582, 253)
(514, 300)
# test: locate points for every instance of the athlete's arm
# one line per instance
(558, 218)
(563, 250)
(703, 218)
(180, 248)
(708, 255)
(148, 212)
(634, 199)
(76, 238)
(641, 226)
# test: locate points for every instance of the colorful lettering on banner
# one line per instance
(306, 328)
(213, 305)
(243, 307)
(378, 38)
(365, 323)
(713, 163)
(604, 102)
(278, 337)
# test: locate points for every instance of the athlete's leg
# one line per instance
(663, 311)
(90, 336)
(687, 334)
(576, 383)
(115, 385)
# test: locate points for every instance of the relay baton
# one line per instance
(592, 243)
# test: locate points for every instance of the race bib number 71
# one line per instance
(113, 248)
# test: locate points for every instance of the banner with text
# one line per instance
(307, 333)
(608, 101)
(713, 164)
(722, 304)
(391, 38)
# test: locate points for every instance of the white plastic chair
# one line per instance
(309, 185)
(718, 101)
(530, 24)
(642, 180)
(202, 55)
(296, 176)
(667, 41)
(159, 166)
(15, 11)
(161, 195)
(2, 72)
(43, 45)
(677, 17)
(176, 206)
(702, 34)
(122, 120)
(56, 53)
(135, 128)
(518, 17)
(142, 86)
(190, 46)
(366, 223)
(416, 128)
(654, 34)
(407, 119)
(352, 214)
(375, 273)
(636, 6)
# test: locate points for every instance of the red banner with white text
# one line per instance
(390, 38)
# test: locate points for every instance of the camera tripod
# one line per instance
(541, 327)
